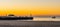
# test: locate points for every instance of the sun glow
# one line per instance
(24, 7)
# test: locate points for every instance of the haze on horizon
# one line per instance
(25, 7)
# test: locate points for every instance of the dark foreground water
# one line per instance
(18, 23)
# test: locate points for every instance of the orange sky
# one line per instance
(25, 7)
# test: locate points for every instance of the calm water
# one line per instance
(36, 22)
(46, 19)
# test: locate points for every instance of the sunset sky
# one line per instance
(25, 7)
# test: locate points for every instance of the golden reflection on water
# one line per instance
(46, 19)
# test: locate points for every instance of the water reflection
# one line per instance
(45, 19)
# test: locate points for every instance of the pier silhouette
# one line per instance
(13, 17)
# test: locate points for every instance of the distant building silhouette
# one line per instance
(11, 15)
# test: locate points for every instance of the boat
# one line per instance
(53, 17)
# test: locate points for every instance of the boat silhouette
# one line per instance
(53, 17)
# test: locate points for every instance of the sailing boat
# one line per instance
(53, 17)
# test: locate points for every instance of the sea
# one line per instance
(46, 19)
(35, 22)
